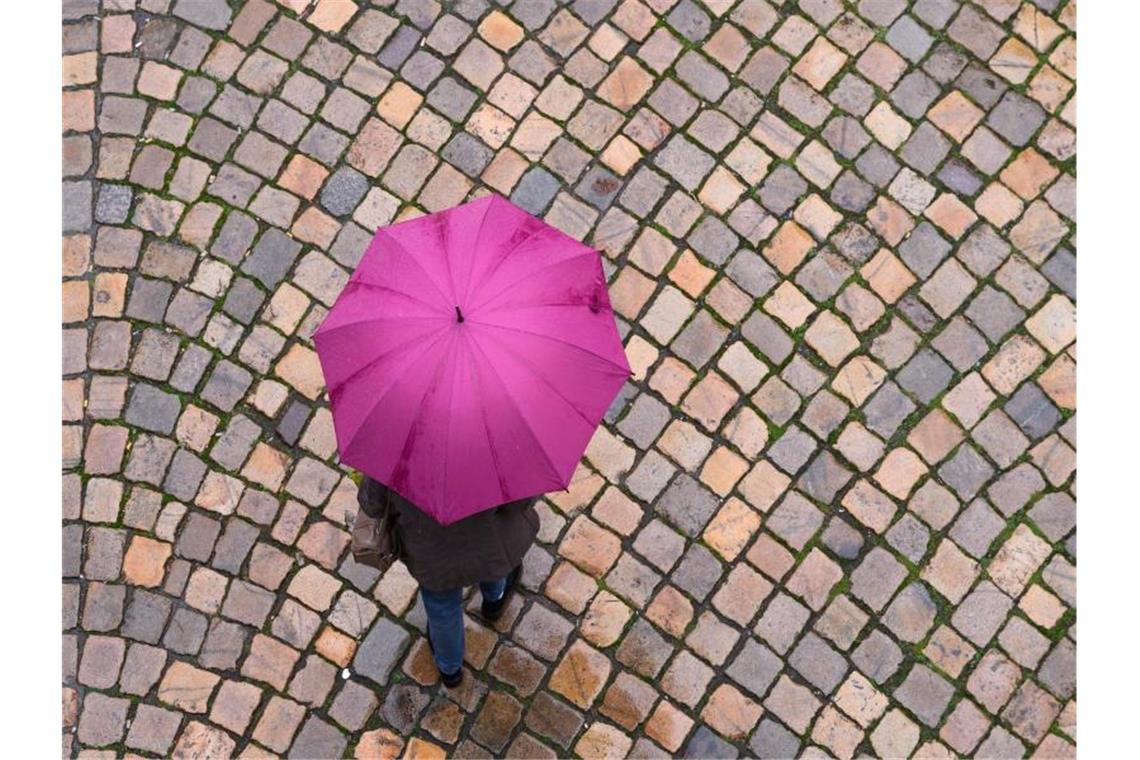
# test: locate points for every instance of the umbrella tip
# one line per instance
(458, 314)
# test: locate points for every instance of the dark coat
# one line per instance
(483, 547)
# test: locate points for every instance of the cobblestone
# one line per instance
(833, 510)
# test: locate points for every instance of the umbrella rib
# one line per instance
(543, 304)
(510, 252)
(441, 225)
(373, 362)
(375, 286)
(450, 416)
(370, 320)
(417, 262)
(546, 382)
(546, 456)
(405, 447)
(498, 467)
(557, 340)
(382, 396)
(521, 306)
(489, 299)
(475, 248)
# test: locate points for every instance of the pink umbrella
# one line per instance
(470, 358)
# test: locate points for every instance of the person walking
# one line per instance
(485, 549)
(469, 360)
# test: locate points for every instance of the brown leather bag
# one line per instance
(374, 538)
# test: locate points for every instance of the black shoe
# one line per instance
(492, 611)
(450, 680)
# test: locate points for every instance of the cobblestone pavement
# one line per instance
(832, 513)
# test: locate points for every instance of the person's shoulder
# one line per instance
(521, 504)
(371, 489)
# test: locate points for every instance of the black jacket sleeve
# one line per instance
(370, 496)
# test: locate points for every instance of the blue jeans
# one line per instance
(445, 621)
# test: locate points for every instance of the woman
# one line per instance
(486, 549)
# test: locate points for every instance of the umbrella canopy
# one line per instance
(470, 358)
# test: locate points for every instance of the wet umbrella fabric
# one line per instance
(470, 358)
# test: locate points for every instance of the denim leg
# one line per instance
(493, 590)
(445, 619)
